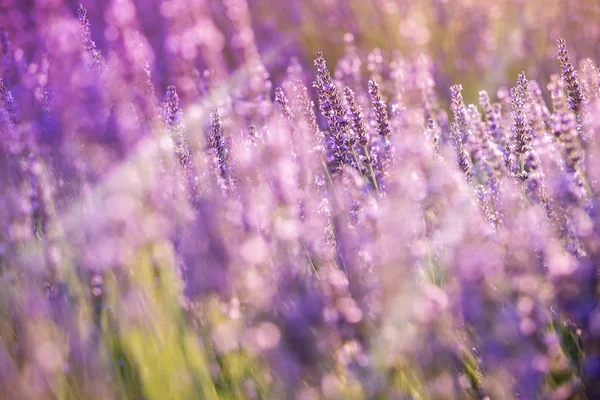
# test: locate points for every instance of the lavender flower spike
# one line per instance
(379, 106)
(331, 106)
(462, 156)
(358, 118)
(521, 123)
(284, 104)
(218, 144)
(93, 55)
(308, 112)
(459, 110)
(360, 128)
(492, 116)
(569, 75)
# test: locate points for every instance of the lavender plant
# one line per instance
(373, 235)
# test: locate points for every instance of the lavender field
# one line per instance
(310, 199)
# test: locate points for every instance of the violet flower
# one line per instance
(569, 76)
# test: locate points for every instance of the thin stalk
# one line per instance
(371, 170)
(523, 186)
(311, 262)
(335, 198)
(359, 168)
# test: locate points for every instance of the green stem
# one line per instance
(312, 263)
(372, 172)
(523, 187)
(360, 169)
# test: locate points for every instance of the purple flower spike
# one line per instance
(569, 76)
(522, 126)
(380, 109)
(332, 109)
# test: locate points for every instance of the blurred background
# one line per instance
(481, 44)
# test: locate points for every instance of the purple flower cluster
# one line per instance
(182, 216)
